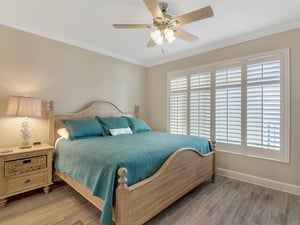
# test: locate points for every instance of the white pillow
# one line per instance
(119, 131)
(63, 133)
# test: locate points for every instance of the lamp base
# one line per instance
(25, 134)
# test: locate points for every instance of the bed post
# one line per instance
(213, 177)
(51, 122)
(136, 111)
(122, 198)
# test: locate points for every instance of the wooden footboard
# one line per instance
(135, 205)
(182, 172)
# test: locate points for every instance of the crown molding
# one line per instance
(159, 61)
(65, 40)
(226, 43)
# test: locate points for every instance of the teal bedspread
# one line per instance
(95, 161)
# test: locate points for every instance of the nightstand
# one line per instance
(23, 170)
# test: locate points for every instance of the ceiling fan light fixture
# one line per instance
(157, 37)
(170, 40)
(169, 35)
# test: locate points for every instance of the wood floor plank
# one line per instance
(293, 210)
(226, 202)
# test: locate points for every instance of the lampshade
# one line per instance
(24, 106)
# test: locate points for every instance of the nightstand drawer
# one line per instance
(24, 182)
(26, 165)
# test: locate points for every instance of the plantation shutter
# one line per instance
(178, 105)
(200, 113)
(228, 105)
(263, 104)
(243, 104)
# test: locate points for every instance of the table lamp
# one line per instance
(25, 107)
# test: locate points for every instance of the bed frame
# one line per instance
(135, 205)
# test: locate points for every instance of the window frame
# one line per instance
(283, 154)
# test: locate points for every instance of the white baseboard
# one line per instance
(281, 186)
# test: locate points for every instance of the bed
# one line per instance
(136, 203)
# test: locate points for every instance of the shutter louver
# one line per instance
(260, 72)
(228, 115)
(178, 106)
(200, 105)
(228, 76)
(228, 106)
(263, 105)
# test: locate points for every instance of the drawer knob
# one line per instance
(27, 181)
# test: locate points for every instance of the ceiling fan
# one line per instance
(165, 26)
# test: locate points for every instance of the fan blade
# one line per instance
(184, 35)
(120, 26)
(154, 8)
(195, 15)
(151, 43)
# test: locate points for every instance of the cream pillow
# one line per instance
(119, 131)
(62, 132)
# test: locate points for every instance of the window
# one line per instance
(243, 104)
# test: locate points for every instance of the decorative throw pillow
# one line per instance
(113, 123)
(79, 128)
(137, 125)
(120, 131)
(62, 132)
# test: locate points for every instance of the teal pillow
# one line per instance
(137, 125)
(112, 123)
(80, 128)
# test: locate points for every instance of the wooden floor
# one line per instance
(227, 202)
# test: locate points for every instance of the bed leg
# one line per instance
(213, 177)
(3, 202)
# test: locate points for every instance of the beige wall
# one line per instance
(157, 103)
(70, 76)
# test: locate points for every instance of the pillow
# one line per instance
(113, 123)
(62, 132)
(137, 125)
(119, 131)
(79, 128)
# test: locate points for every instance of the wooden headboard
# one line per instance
(99, 108)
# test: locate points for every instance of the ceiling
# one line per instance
(88, 24)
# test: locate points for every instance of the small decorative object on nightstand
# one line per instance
(23, 170)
